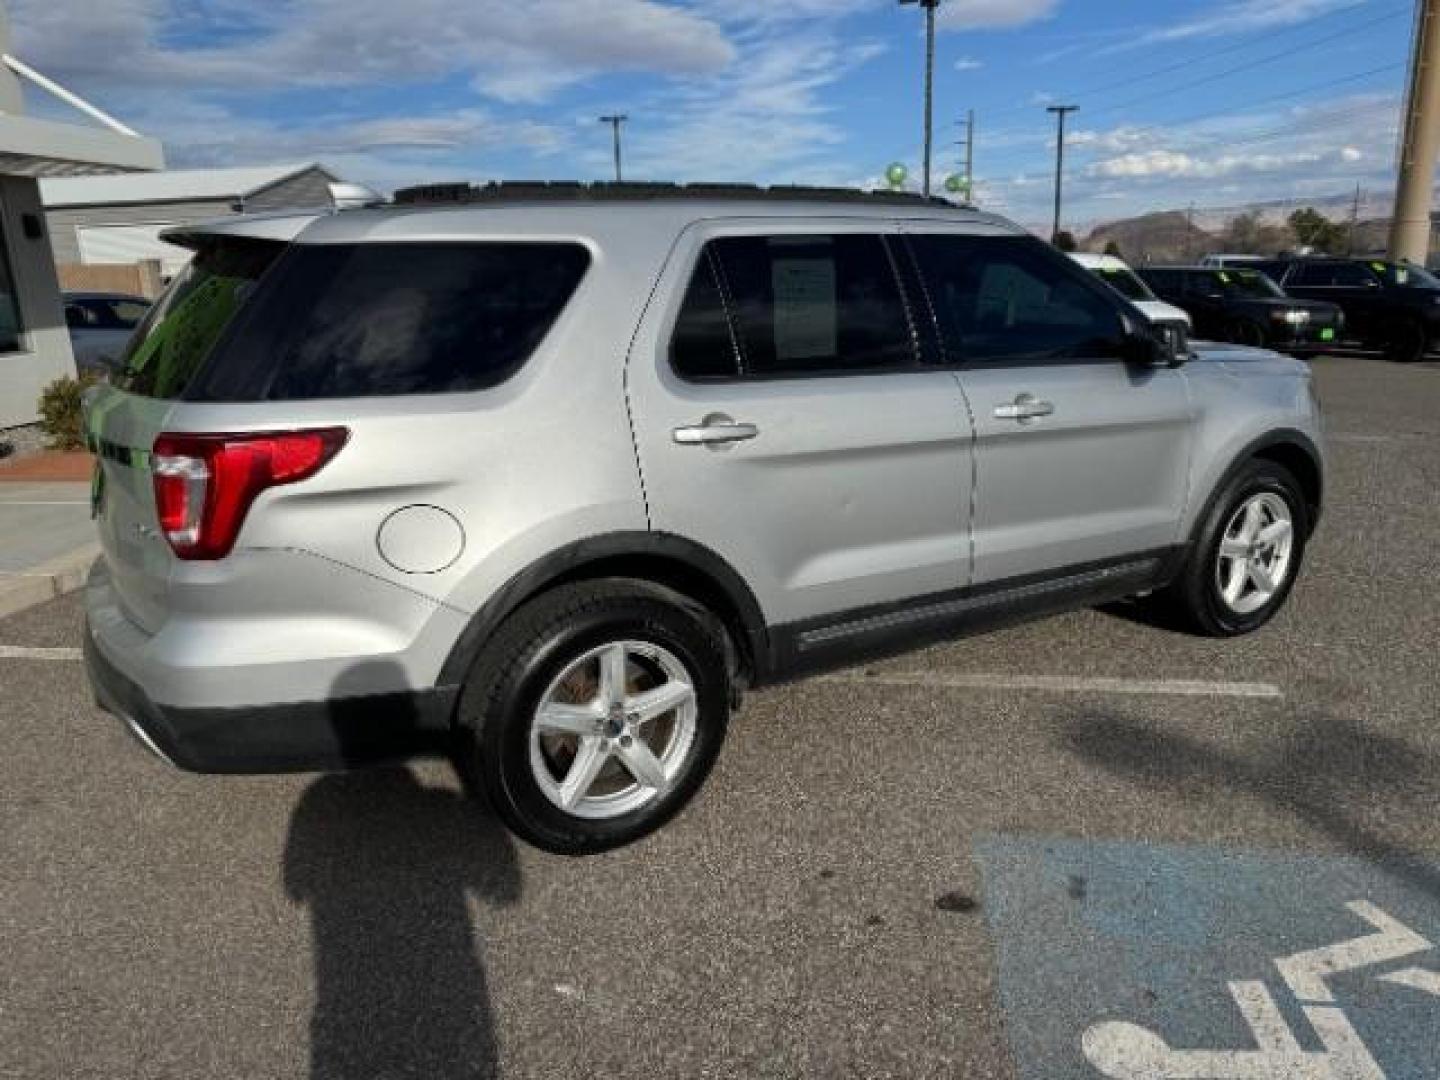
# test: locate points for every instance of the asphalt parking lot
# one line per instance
(1084, 847)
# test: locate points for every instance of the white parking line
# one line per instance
(1064, 684)
(21, 652)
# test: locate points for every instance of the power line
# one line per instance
(1086, 92)
(1260, 61)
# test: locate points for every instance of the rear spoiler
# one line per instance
(280, 227)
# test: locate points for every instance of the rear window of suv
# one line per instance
(370, 320)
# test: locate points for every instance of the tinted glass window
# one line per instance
(1008, 297)
(11, 325)
(1124, 281)
(702, 347)
(1203, 283)
(1405, 276)
(1310, 274)
(1161, 280)
(370, 320)
(179, 332)
(810, 304)
(1351, 276)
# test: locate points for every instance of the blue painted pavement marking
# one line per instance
(1160, 963)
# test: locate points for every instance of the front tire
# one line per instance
(596, 713)
(1247, 554)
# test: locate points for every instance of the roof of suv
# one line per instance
(441, 211)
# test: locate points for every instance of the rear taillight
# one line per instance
(204, 484)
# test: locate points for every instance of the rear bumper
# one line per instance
(297, 737)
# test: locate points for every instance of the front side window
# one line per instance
(373, 320)
(1123, 280)
(807, 305)
(1003, 298)
(1248, 285)
(1405, 276)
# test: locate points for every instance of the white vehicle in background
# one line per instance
(1116, 273)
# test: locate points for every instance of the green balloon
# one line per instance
(896, 175)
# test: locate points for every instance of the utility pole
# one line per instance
(1189, 232)
(1354, 221)
(1410, 226)
(1061, 111)
(615, 121)
(969, 172)
(929, 6)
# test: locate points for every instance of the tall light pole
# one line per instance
(1410, 225)
(969, 125)
(1060, 111)
(615, 121)
(929, 6)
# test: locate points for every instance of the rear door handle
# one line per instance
(1025, 408)
(715, 430)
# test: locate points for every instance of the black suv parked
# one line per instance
(1242, 305)
(1389, 306)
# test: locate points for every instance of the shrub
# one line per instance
(62, 412)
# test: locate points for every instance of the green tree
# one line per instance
(1242, 235)
(1065, 241)
(1314, 230)
(1112, 248)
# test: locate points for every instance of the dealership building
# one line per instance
(34, 343)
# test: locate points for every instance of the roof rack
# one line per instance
(575, 191)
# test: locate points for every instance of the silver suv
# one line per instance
(545, 477)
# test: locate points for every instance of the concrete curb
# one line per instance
(65, 574)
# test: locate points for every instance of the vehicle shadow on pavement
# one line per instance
(384, 866)
(1329, 773)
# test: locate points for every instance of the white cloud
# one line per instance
(512, 51)
(1245, 16)
(994, 14)
(1351, 154)
(968, 63)
(764, 120)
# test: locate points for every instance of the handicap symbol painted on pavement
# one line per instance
(1199, 948)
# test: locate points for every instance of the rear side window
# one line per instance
(177, 335)
(371, 320)
(800, 306)
(1002, 298)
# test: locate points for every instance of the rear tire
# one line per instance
(1407, 343)
(1247, 554)
(555, 734)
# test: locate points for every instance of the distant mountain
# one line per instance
(1166, 236)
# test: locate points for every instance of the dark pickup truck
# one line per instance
(1243, 305)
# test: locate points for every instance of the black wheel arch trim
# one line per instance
(592, 557)
(1256, 448)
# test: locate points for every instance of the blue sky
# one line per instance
(1216, 102)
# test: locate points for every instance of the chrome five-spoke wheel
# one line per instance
(613, 730)
(1254, 559)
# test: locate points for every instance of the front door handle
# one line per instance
(715, 430)
(1025, 408)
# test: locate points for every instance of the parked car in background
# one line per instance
(1231, 260)
(1116, 273)
(550, 482)
(1246, 307)
(100, 326)
(1394, 307)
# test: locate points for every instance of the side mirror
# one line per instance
(1162, 344)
